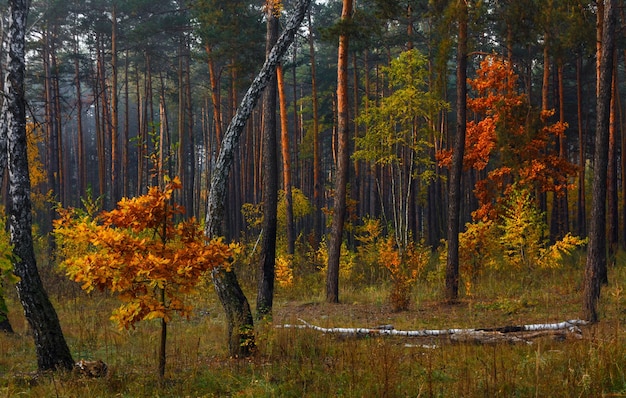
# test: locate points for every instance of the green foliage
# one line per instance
(399, 132)
(400, 120)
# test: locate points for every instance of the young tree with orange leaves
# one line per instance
(137, 252)
(506, 125)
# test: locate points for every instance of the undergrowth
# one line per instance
(296, 362)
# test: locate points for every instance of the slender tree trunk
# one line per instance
(560, 219)
(190, 154)
(239, 317)
(215, 98)
(82, 181)
(267, 254)
(317, 169)
(582, 203)
(595, 270)
(115, 191)
(286, 152)
(343, 162)
(51, 349)
(125, 134)
(612, 199)
(456, 169)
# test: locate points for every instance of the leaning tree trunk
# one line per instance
(51, 348)
(595, 270)
(239, 317)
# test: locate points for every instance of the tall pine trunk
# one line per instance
(286, 152)
(267, 254)
(595, 270)
(343, 162)
(317, 173)
(456, 170)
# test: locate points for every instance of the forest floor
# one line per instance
(301, 362)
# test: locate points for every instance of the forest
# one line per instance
(312, 198)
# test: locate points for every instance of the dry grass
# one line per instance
(297, 363)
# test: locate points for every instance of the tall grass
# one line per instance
(305, 363)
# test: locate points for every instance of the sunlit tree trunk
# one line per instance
(343, 162)
(215, 97)
(286, 152)
(612, 199)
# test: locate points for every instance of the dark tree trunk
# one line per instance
(456, 169)
(581, 214)
(343, 163)
(317, 173)
(239, 317)
(267, 254)
(115, 162)
(51, 348)
(612, 219)
(595, 270)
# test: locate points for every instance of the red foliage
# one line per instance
(505, 124)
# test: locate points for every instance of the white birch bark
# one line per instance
(388, 330)
(217, 194)
(50, 346)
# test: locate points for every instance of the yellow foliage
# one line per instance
(552, 256)
(284, 271)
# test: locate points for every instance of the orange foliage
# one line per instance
(504, 123)
(138, 252)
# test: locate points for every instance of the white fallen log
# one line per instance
(469, 334)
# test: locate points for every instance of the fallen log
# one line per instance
(511, 334)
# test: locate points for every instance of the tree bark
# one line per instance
(456, 169)
(595, 270)
(317, 183)
(612, 220)
(286, 149)
(267, 254)
(343, 162)
(581, 214)
(239, 318)
(115, 167)
(51, 348)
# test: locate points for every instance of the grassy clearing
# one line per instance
(296, 363)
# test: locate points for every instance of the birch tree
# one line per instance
(51, 349)
(236, 306)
